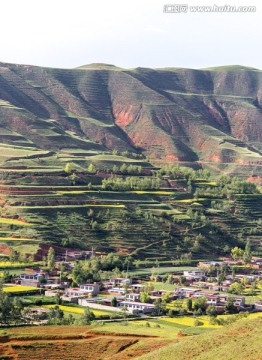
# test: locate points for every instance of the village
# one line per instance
(212, 287)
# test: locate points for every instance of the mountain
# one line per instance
(211, 116)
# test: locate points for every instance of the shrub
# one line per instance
(198, 323)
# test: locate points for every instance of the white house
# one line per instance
(32, 279)
(137, 287)
(258, 305)
(132, 297)
(184, 292)
(137, 307)
(120, 281)
(221, 300)
(90, 288)
(82, 291)
(194, 275)
(116, 290)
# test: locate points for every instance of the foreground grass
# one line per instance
(150, 327)
(139, 327)
(241, 340)
(189, 321)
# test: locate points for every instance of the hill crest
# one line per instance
(209, 116)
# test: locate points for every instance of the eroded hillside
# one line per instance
(208, 116)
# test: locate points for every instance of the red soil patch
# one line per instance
(5, 250)
(77, 345)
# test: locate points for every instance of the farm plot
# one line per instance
(75, 343)
(19, 289)
(80, 310)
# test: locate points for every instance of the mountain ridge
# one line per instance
(211, 117)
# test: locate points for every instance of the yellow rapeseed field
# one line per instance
(9, 264)
(76, 310)
(13, 222)
(19, 288)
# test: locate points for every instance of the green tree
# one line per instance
(253, 287)
(73, 178)
(229, 308)
(87, 317)
(55, 313)
(58, 299)
(51, 258)
(221, 278)
(123, 168)
(114, 302)
(5, 308)
(237, 253)
(17, 308)
(144, 297)
(6, 276)
(200, 304)
(166, 297)
(189, 304)
(247, 256)
(10, 309)
(94, 225)
(198, 322)
(70, 319)
(211, 311)
(182, 280)
(68, 168)
(14, 255)
(236, 288)
(159, 307)
(91, 168)
(115, 169)
(131, 169)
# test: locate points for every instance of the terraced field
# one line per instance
(45, 207)
(146, 339)
(74, 342)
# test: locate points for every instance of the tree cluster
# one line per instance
(90, 270)
(130, 183)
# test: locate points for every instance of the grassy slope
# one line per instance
(241, 341)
